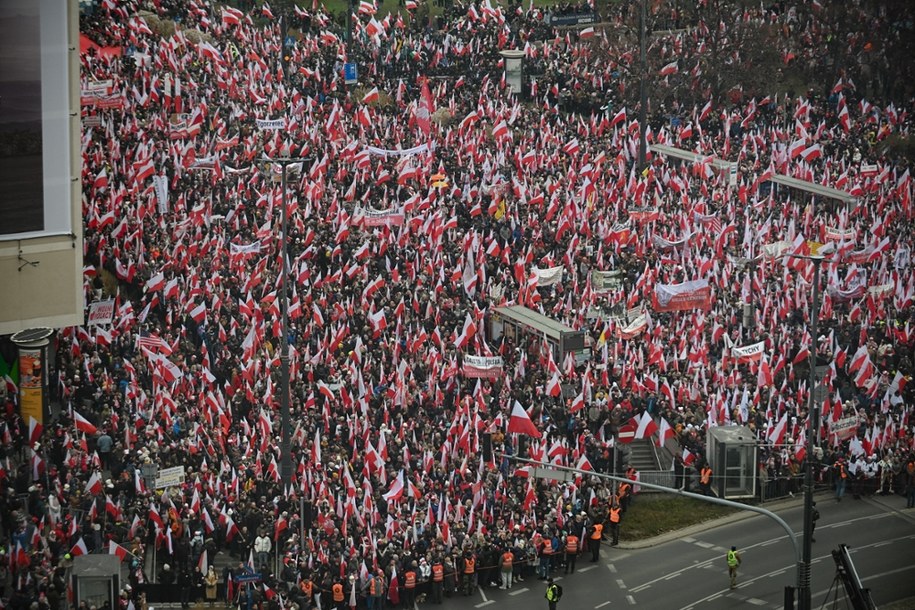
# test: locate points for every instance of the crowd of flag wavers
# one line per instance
(429, 194)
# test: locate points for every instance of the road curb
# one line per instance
(775, 507)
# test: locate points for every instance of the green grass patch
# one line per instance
(654, 514)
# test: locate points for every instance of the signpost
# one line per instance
(350, 74)
(248, 577)
(552, 474)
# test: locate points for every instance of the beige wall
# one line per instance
(50, 293)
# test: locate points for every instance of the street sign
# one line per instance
(626, 432)
(350, 74)
(170, 477)
(249, 577)
(550, 473)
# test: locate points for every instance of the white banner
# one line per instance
(835, 234)
(482, 367)
(406, 152)
(666, 292)
(204, 163)
(270, 124)
(748, 353)
(242, 249)
(170, 477)
(160, 187)
(548, 277)
(100, 312)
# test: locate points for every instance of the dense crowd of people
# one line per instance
(429, 195)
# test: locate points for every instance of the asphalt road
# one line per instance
(688, 570)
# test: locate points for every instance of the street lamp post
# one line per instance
(643, 86)
(813, 427)
(285, 415)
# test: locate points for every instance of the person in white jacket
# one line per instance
(262, 548)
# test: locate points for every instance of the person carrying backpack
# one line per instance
(553, 593)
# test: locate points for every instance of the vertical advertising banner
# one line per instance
(31, 383)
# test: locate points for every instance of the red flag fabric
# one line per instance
(79, 548)
(83, 424)
(520, 422)
(116, 549)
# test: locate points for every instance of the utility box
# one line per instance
(732, 456)
(96, 579)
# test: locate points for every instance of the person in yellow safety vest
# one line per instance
(506, 562)
(572, 550)
(597, 530)
(614, 515)
(705, 480)
(337, 591)
(409, 586)
(733, 562)
(470, 568)
(438, 581)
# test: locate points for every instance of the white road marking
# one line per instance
(871, 577)
(707, 563)
(757, 602)
(631, 600)
(768, 542)
(705, 545)
(721, 549)
(557, 578)
(585, 569)
(688, 539)
(671, 576)
(774, 574)
(601, 605)
(520, 591)
(620, 583)
(611, 567)
(761, 576)
(486, 603)
(483, 595)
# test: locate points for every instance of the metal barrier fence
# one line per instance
(666, 478)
